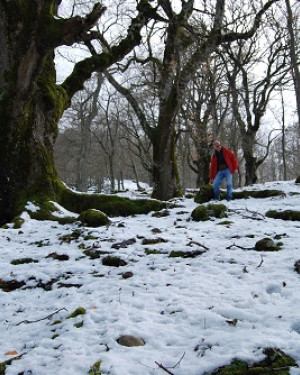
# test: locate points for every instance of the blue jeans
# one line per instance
(217, 182)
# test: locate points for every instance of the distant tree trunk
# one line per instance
(294, 56)
(89, 110)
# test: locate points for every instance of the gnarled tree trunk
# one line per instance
(30, 106)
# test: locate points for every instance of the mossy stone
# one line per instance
(217, 210)
(111, 205)
(93, 218)
(200, 213)
(284, 215)
(297, 180)
(266, 244)
(205, 194)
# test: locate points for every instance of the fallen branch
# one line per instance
(254, 214)
(240, 247)
(38, 320)
(197, 244)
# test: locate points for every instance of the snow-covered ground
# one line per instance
(198, 313)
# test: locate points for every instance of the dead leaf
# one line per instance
(12, 352)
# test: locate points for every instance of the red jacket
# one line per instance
(230, 159)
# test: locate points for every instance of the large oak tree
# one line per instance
(31, 102)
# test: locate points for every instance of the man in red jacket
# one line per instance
(223, 165)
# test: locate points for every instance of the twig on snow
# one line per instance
(197, 244)
(166, 369)
(254, 214)
(38, 320)
(240, 247)
(261, 262)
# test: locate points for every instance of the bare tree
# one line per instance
(251, 91)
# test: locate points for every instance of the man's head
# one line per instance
(217, 145)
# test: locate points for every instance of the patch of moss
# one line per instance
(78, 325)
(3, 365)
(226, 222)
(162, 213)
(66, 220)
(55, 256)
(153, 241)
(77, 312)
(74, 236)
(113, 261)
(200, 213)
(93, 218)
(58, 321)
(45, 211)
(16, 262)
(275, 362)
(152, 252)
(185, 254)
(284, 215)
(18, 222)
(95, 369)
(94, 253)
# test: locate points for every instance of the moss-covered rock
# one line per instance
(284, 215)
(93, 218)
(111, 205)
(200, 213)
(259, 194)
(297, 180)
(113, 261)
(217, 210)
(205, 194)
(203, 213)
(266, 244)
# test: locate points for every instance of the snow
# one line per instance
(196, 313)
